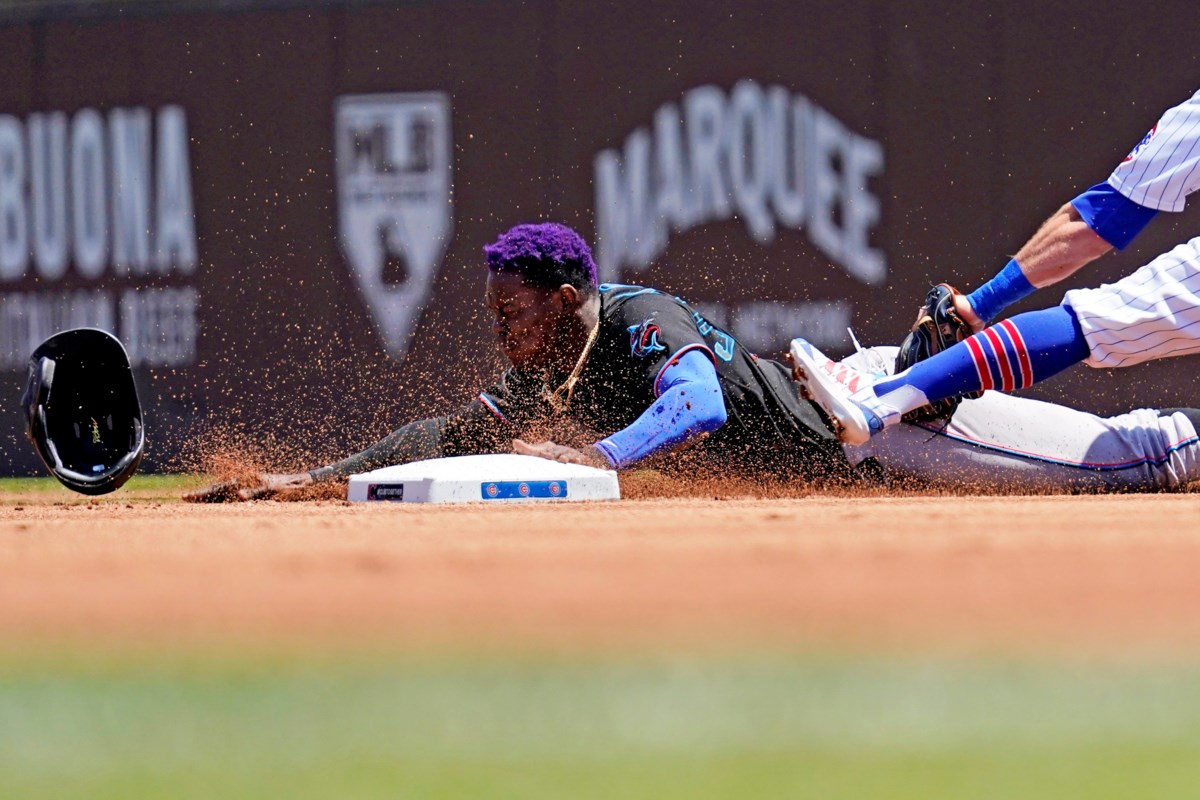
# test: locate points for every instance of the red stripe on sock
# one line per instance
(981, 366)
(1022, 353)
(1005, 343)
(1006, 370)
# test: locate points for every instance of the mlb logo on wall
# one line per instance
(394, 212)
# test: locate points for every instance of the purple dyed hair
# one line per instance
(546, 254)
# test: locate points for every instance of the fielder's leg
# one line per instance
(1005, 443)
(1153, 313)
(1011, 355)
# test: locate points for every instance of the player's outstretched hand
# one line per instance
(273, 484)
(966, 313)
(237, 491)
(560, 452)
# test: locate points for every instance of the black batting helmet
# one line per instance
(82, 409)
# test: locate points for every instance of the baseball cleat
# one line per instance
(829, 384)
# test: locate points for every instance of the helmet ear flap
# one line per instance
(37, 390)
(82, 411)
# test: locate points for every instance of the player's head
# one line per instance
(82, 410)
(547, 255)
(539, 276)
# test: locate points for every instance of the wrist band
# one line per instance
(1009, 286)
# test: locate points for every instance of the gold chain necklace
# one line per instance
(560, 398)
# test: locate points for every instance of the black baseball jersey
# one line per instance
(642, 331)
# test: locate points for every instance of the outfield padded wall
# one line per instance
(966, 127)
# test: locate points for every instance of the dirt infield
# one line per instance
(1113, 574)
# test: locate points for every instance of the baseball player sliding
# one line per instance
(611, 375)
(1153, 313)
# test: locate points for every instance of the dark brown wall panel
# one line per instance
(987, 119)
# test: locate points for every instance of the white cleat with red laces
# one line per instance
(830, 384)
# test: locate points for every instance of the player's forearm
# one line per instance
(685, 410)
(414, 442)
(1063, 245)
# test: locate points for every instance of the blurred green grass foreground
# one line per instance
(140, 488)
(779, 726)
(75, 723)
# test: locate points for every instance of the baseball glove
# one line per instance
(938, 326)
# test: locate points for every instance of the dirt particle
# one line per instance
(372, 563)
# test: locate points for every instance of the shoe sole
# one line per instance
(816, 385)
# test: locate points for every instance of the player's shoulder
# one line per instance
(622, 299)
(615, 293)
(650, 320)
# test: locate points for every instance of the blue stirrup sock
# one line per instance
(1014, 354)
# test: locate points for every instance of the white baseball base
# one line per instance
(502, 478)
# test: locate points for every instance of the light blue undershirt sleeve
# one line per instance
(689, 403)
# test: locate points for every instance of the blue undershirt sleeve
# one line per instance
(1114, 217)
(689, 403)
